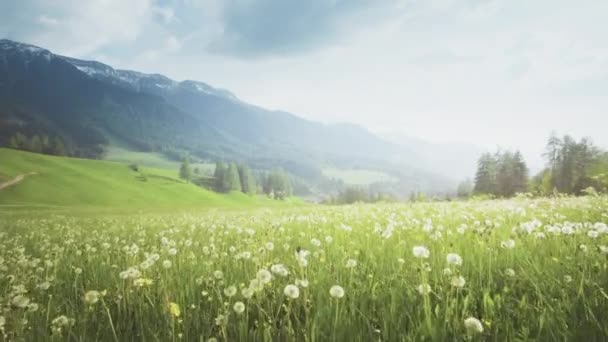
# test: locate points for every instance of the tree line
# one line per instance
(502, 174)
(38, 144)
(573, 167)
(229, 177)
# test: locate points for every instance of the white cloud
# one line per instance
(48, 21)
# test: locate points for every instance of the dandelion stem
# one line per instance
(110, 319)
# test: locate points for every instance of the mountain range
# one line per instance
(89, 105)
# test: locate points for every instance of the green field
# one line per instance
(512, 270)
(358, 176)
(151, 159)
(61, 181)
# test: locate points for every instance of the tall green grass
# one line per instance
(533, 270)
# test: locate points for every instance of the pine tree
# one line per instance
(248, 183)
(219, 175)
(233, 179)
(184, 171)
(485, 177)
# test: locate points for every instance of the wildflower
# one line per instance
(510, 272)
(142, 282)
(424, 289)
(20, 301)
(351, 263)
(603, 249)
(458, 282)
(174, 309)
(291, 291)
(32, 307)
(247, 292)
(230, 291)
(239, 307)
(315, 242)
(567, 279)
(44, 285)
(279, 269)
(264, 276)
(593, 234)
(78, 270)
(61, 322)
(421, 252)
(92, 297)
(447, 272)
(454, 259)
(336, 291)
(269, 246)
(221, 320)
(167, 264)
(473, 326)
(218, 275)
(508, 244)
(301, 282)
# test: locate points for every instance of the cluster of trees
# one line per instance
(355, 194)
(502, 174)
(571, 168)
(238, 177)
(276, 184)
(38, 144)
(233, 177)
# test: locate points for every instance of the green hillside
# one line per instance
(62, 181)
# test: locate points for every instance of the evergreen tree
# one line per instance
(35, 144)
(520, 174)
(219, 177)
(233, 179)
(248, 183)
(485, 177)
(185, 171)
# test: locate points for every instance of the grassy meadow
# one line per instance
(511, 270)
(59, 182)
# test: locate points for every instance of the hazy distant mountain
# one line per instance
(456, 160)
(87, 104)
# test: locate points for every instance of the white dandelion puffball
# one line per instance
(508, 244)
(424, 289)
(301, 282)
(20, 301)
(218, 275)
(230, 291)
(92, 297)
(264, 276)
(351, 263)
(247, 292)
(473, 326)
(239, 307)
(454, 259)
(167, 264)
(458, 282)
(421, 252)
(292, 291)
(336, 291)
(510, 272)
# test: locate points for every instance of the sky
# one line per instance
(488, 72)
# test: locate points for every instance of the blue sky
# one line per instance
(491, 72)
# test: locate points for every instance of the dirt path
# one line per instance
(15, 180)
